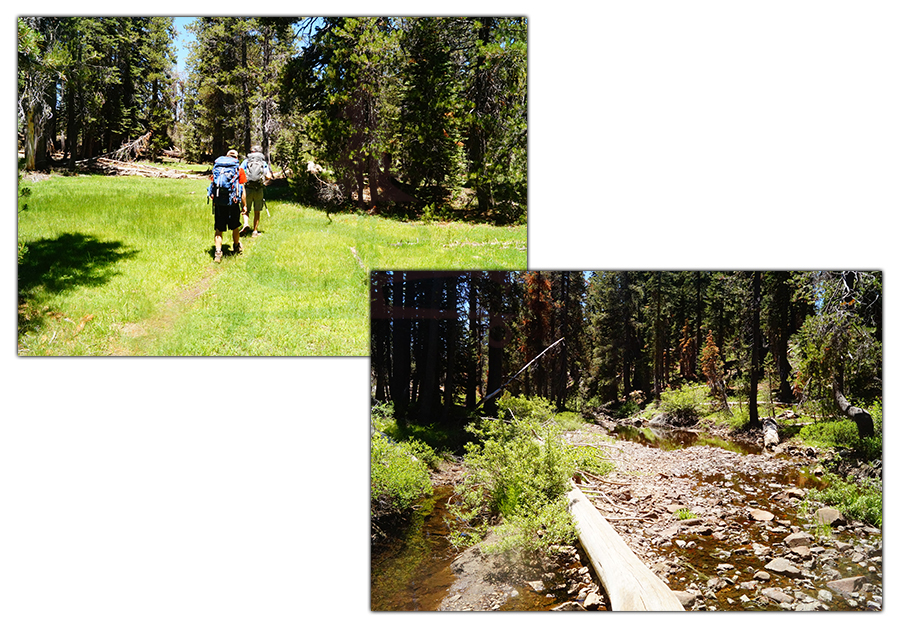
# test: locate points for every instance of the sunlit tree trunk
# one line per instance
(754, 354)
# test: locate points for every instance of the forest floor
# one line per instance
(746, 542)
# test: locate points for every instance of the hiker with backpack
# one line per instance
(257, 172)
(227, 193)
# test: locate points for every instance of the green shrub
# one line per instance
(628, 409)
(591, 460)
(531, 532)
(398, 477)
(537, 408)
(515, 472)
(687, 401)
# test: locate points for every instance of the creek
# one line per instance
(720, 564)
(723, 555)
(412, 571)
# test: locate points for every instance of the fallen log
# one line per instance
(630, 585)
(119, 167)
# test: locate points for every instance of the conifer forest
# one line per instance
(415, 115)
(443, 344)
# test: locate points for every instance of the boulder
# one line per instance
(569, 606)
(846, 586)
(783, 566)
(829, 516)
(537, 586)
(797, 539)
(777, 595)
(687, 599)
(842, 547)
(758, 514)
(802, 551)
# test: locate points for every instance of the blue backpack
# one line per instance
(224, 186)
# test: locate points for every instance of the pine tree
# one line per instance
(711, 364)
(497, 126)
(431, 106)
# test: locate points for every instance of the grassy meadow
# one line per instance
(124, 266)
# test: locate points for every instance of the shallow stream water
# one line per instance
(414, 572)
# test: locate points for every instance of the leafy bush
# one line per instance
(591, 460)
(440, 438)
(686, 402)
(520, 472)
(628, 409)
(398, 476)
(537, 408)
(535, 531)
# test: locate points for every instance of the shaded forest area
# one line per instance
(443, 342)
(413, 116)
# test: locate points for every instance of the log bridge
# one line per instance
(630, 585)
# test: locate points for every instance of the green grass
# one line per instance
(123, 265)
(856, 500)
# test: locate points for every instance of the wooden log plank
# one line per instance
(630, 585)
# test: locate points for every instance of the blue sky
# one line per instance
(182, 40)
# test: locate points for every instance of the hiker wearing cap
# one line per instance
(227, 193)
(257, 173)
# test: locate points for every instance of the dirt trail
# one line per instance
(138, 336)
(723, 529)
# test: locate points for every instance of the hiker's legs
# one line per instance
(218, 240)
(255, 203)
(244, 215)
(235, 227)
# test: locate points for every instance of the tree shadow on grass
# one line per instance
(54, 265)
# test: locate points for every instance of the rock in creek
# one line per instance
(777, 595)
(783, 566)
(846, 586)
(829, 516)
(798, 539)
(758, 514)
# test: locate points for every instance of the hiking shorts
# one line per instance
(228, 217)
(254, 198)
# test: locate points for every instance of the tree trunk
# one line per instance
(630, 585)
(754, 355)
(474, 372)
(429, 394)
(450, 374)
(497, 338)
(658, 346)
(864, 424)
(400, 351)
